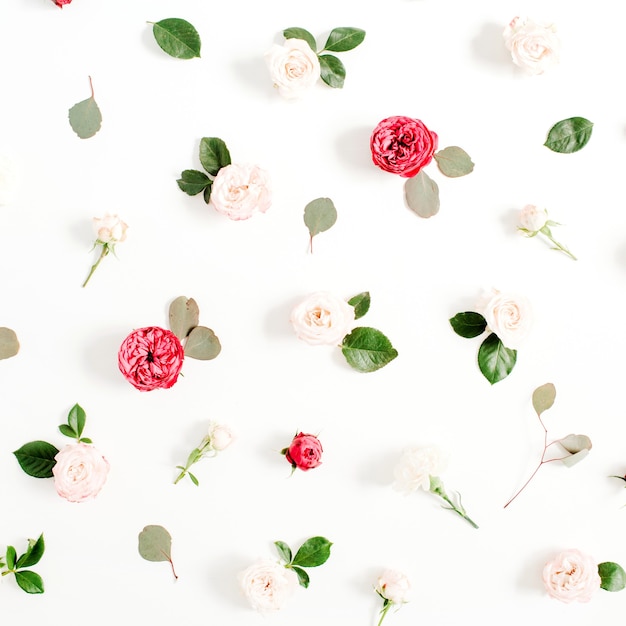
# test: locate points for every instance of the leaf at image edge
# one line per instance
(612, 575)
(9, 345)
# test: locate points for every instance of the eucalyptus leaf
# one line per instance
(612, 575)
(184, 315)
(202, 344)
(577, 445)
(361, 304)
(543, 398)
(333, 72)
(11, 557)
(192, 182)
(313, 552)
(300, 33)
(367, 349)
(85, 117)
(421, 194)
(284, 551)
(344, 38)
(495, 360)
(468, 324)
(33, 554)
(36, 458)
(9, 345)
(29, 581)
(177, 37)
(319, 215)
(303, 577)
(76, 419)
(214, 154)
(569, 135)
(570, 461)
(454, 162)
(155, 544)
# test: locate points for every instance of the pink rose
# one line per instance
(151, 358)
(268, 585)
(304, 452)
(240, 191)
(393, 586)
(322, 319)
(534, 46)
(402, 145)
(571, 576)
(60, 3)
(509, 316)
(80, 472)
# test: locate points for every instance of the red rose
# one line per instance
(151, 358)
(304, 452)
(60, 3)
(402, 145)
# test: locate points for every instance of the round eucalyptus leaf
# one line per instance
(421, 194)
(184, 315)
(454, 162)
(155, 543)
(9, 345)
(202, 344)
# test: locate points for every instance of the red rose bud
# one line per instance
(304, 452)
(151, 358)
(60, 3)
(402, 145)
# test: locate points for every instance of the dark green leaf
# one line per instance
(367, 349)
(36, 458)
(344, 38)
(207, 193)
(319, 215)
(194, 480)
(33, 554)
(421, 194)
(612, 575)
(300, 33)
(29, 581)
(569, 135)
(495, 360)
(284, 551)
(85, 118)
(85, 440)
(155, 544)
(468, 324)
(313, 552)
(333, 73)
(68, 431)
(543, 398)
(11, 557)
(9, 345)
(76, 419)
(454, 162)
(184, 315)
(192, 182)
(214, 154)
(361, 304)
(303, 577)
(177, 37)
(202, 344)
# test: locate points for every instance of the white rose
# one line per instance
(533, 218)
(7, 181)
(416, 466)
(322, 318)
(80, 472)
(393, 586)
(268, 585)
(570, 576)
(534, 46)
(220, 436)
(240, 191)
(109, 229)
(294, 67)
(508, 316)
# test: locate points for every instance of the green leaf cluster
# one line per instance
(312, 553)
(342, 39)
(9, 345)
(214, 155)
(177, 37)
(570, 135)
(200, 342)
(155, 544)
(75, 424)
(319, 215)
(28, 580)
(495, 360)
(85, 116)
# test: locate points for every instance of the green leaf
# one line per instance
(495, 360)
(155, 544)
(11, 557)
(577, 445)
(29, 581)
(569, 135)
(303, 577)
(367, 349)
(202, 344)
(301, 33)
(543, 398)
(284, 551)
(319, 215)
(333, 72)
(9, 345)
(313, 552)
(33, 554)
(194, 480)
(76, 419)
(207, 193)
(184, 316)
(214, 154)
(192, 182)
(85, 117)
(67, 431)
(361, 304)
(85, 440)
(36, 458)
(612, 575)
(421, 194)
(454, 162)
(177, 37)
(468, 324)
(344, 38)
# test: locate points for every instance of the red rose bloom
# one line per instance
(60, 3)
(151, 358)
(304, 452)
(402, 145)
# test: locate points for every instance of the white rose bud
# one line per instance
(220, 436)
(294, 67)
(533, 218)
(393, 586)
(109, 229)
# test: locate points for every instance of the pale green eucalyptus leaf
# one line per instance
(85, 118)
(577, 445)
(9, 345)
(421, 194)
(203, 344)
(543, 398)
(184, 316)
(177, 37)
(319, 215)
(454, 162)
(155, 543)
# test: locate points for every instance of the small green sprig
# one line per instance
(313, 552)
(76, 419)
(28, 580)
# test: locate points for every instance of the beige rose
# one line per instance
(219, 436)
(322, 318)
(571, 576)
(508, 316)
(80, 472)
(532, 219)
(534, 46)
(416, 466)
(393, 586)
(109, 229)
(268, 585)
(294, 67)
(240, 191)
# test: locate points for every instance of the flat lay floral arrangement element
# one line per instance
(534, 220)
(28, 580)
(110, 230)
(394, 588)
(534, 45)
(297, 65)
(9, 344)
(155, 544)
(177, 37)
(85, 116)
(304, 452)
(79, 469)
(324, 319)
(404, 146)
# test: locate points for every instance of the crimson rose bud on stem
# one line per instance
(304, 452)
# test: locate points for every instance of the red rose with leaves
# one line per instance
(151, 358)
(304, 452)
(402, 145)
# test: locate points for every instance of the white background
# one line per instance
(441, 62)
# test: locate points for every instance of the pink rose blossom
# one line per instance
(151, 358)
(60, 3)
(393, 586)
(240, 191)
(534, 46)
(268, 585)
(509, 316)
(304, 452)
(322, 319)
(80, 472)
(571, 576)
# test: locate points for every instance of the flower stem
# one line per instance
(384, 611)
(105, 251)
(459, 510)
(547, 233)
